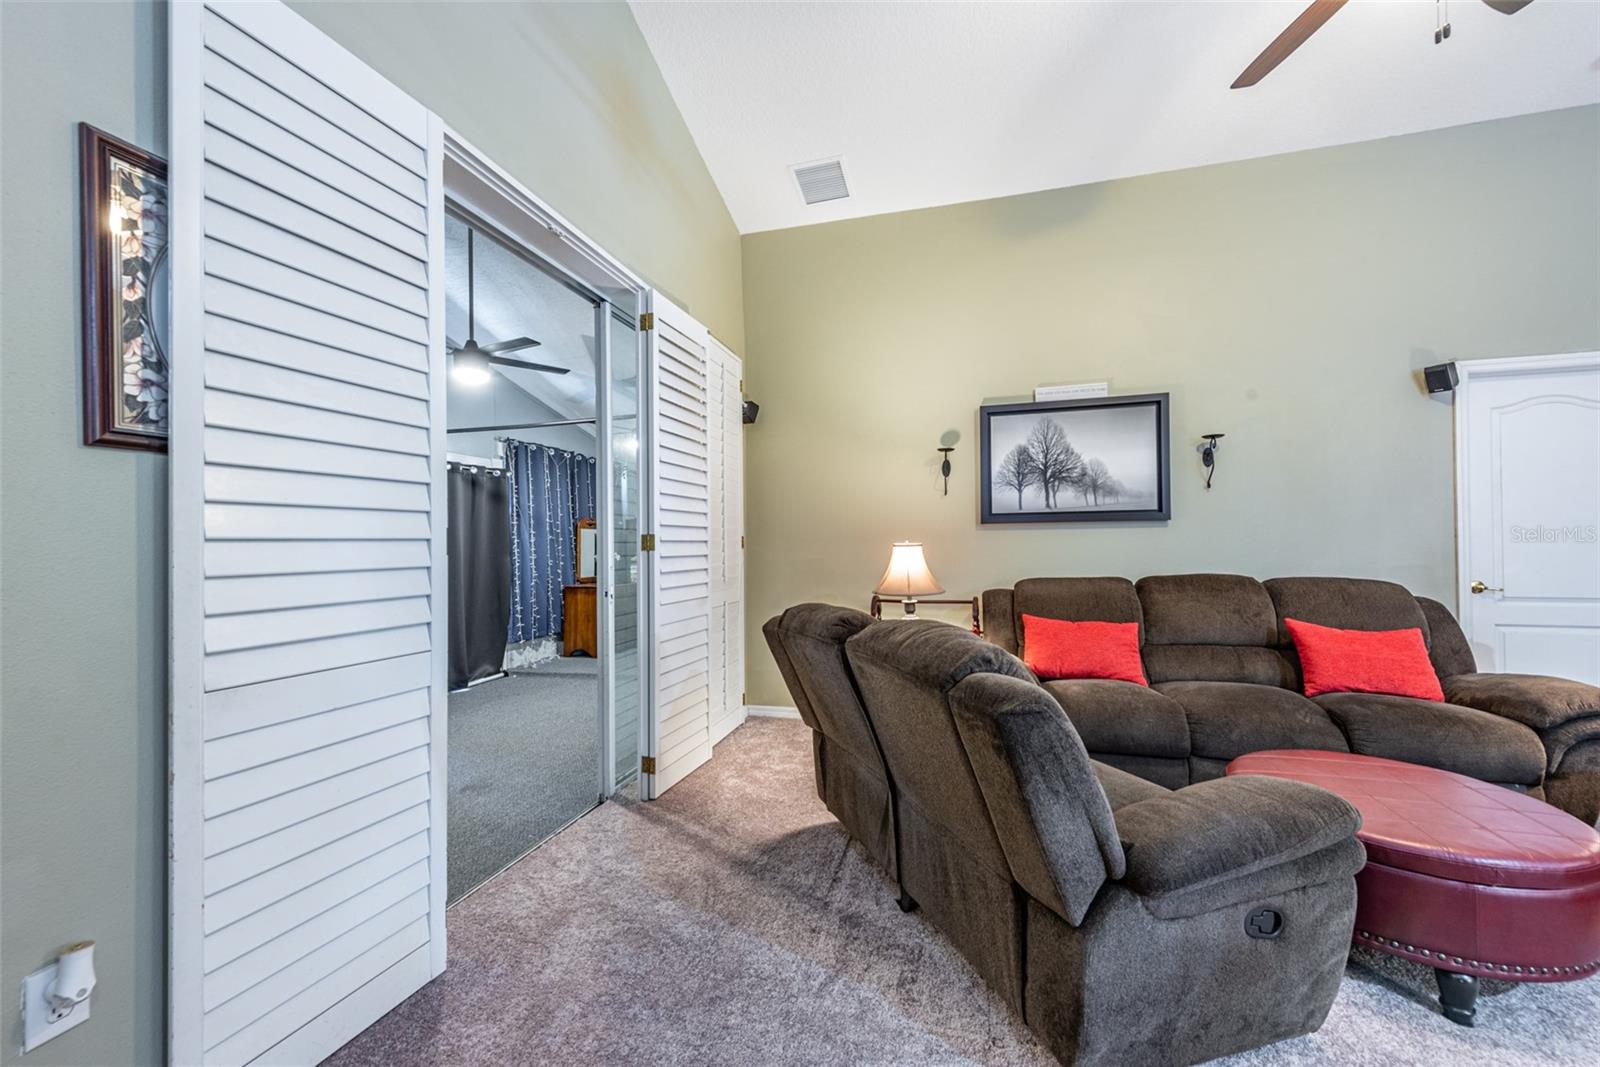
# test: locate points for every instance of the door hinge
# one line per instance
(647, 765)
(647, 321)
(741, 540)
(741, 385)
(647, 542)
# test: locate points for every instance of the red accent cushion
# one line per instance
(1054, 648)
(1364, 661)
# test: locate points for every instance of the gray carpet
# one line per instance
(730, 923)
(524, 762)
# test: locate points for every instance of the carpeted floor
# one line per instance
(731, 923)
(524, 762)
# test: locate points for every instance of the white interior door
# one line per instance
(726, 389)
(1528, 442)
(683, 699)
(308, 580)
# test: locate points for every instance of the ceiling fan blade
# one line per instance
(1308, 22)
(511, 345)
(1508, 7)
(502, 361)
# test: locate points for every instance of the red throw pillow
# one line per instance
(1058, 649)
(1364, 661)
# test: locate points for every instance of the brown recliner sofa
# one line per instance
(1125, 922)
(1225, 681)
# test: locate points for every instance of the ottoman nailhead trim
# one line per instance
(1487, 965)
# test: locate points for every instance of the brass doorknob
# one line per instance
(1479, 587)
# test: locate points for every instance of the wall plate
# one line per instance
(41, 1021)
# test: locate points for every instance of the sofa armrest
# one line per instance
(1122, 718)
(1534, 700)
(1226, 829)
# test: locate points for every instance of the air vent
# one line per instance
(821, 181)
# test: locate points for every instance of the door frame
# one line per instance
(477, 184)
(1468, 371)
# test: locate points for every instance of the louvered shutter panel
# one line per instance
(682, 568)
(308, 590)
(726, 505)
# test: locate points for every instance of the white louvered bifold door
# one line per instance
(679, 734)
(308, 577)
(726, 503)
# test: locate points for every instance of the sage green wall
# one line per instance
(1286, 302)
(566, 97)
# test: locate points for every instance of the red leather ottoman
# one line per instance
(1471, 878)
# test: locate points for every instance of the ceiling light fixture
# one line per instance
(470, 366)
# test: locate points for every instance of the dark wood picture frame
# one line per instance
(1161, 510)
(103, 288)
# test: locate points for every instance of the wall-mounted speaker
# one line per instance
(1441, 377)
(752, 409)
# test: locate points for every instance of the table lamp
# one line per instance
(907, 576)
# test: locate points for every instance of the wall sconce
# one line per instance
(947, 445)
(1208, 454)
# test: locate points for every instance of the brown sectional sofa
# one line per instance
(1125, 922)
(1225, 681)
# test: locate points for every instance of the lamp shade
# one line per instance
(907, 574)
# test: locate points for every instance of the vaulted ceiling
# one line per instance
(934, 103)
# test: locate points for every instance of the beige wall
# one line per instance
(567, 98)
(1286, 302)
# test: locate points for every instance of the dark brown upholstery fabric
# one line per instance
(1075, 600)
(1531, 699)
(1122, 788)
(1576, 793)
(1568, 745)
(1206, 609)
(1000, 620)
(1097, 995)
(1347, 603)
(1227, 719)
(1121, 717)
(1446, 736)
(1167, 772)
(807, 642)
(1224, 829)
(1220, 663)
(1448, 647)
(1052, 817)
(951, 860)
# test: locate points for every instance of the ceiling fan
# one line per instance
(1310, 21)
(469, 363)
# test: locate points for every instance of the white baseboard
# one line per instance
(772, 711)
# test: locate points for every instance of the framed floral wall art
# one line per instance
(125, 293)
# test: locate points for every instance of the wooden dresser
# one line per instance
(578, 626)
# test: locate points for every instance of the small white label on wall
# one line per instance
(1071, 392)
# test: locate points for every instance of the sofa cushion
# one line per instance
(1219, 663)
(1531, 699)
(1363, 661)
(1061, 649)
(1122, 788)
(1447, 645)
(1346, 603)
(1228, 719)
(1075, 600)
(1206, 609)
(1120, 717)
(1446, 736)
(1225, 829)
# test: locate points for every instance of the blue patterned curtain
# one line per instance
(551, 489)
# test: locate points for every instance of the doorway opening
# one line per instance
(529, 492)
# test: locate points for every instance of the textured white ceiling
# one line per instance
(942, 103)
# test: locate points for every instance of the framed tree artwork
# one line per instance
(125, 290)
(1100, 459)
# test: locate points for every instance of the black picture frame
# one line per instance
(124, 293)
(1005, 419)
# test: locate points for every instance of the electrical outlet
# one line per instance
(42, 1020)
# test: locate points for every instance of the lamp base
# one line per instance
(910, 605)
